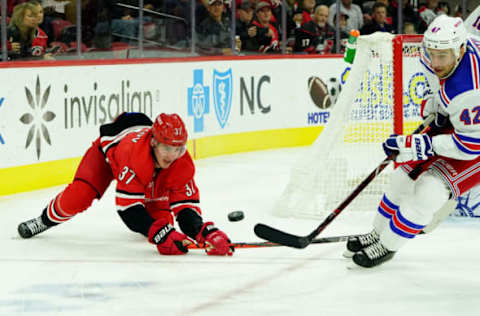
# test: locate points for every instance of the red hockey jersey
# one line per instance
(162, 192)
(39, 43)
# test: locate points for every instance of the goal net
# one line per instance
(382, 95)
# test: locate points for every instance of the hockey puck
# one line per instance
(235, 216)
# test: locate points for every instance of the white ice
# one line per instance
(93, 265)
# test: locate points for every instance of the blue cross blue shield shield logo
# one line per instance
(198, 100)
(222, 95)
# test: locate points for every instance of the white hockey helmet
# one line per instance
(445, 33)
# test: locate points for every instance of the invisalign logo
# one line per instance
(38, 118)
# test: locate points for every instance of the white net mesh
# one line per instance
(349, 147)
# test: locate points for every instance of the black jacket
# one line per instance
(373, 27)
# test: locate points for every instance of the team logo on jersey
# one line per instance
(435, 29)
(222, 95)
(38, 118)
(469, 204)
(198, 100)
(1, 138)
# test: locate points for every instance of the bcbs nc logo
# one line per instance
(222, 95)
(199, 98)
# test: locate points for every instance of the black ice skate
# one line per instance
(35, 226)
(373, 255)
(357, 243)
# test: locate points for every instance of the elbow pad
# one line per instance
(190, 222)
(137, 219)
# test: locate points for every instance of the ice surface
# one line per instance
(93, 265)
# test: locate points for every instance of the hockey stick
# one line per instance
(268, 244)
(277, 236)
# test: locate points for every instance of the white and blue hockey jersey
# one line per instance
(459, 98)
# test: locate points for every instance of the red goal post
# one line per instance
(402, 48)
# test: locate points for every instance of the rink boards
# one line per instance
(51, 112)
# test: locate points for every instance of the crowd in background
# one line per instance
(48, 29)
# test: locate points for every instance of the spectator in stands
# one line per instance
(214, 32)
(45, 24)
(409, 13)
(428, 12)
(308, 8)
(316, 36)
(177, 31)
(40, 40)
(97, 24)
(297, 18)
(266, 39)
(409, 28)
(378, 23)
(367, 11)
(294, 19)
(392, 11)
(201, 10)
(276, 7)
(343, 33)
(445, 7)
(21, 30)
(355, 20)
(245, 28)
(125, 21)
(294, 22)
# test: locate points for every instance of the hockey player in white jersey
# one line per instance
(446, 160)
(472, 23)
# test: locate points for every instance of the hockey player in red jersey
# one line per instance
(441, 164)
(155, 184)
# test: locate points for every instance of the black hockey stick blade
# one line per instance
(274, 235)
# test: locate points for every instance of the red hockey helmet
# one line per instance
(169, 129)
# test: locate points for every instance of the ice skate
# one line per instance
(357, 243)
(32, 227)
(373, 255)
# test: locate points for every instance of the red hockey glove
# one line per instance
(216, 242)
(167, 239)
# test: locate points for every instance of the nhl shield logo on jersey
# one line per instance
(222, 95)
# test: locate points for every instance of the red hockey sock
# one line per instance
(76, 197)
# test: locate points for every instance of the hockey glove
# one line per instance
(167, 239)
(216, 242)
(431, 105)
(409, 147)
